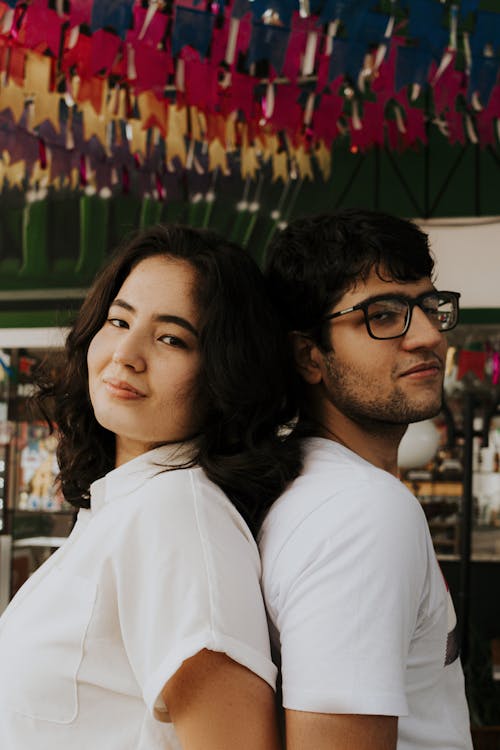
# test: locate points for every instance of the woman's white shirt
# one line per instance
(160, 567)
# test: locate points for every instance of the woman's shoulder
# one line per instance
(189, 498)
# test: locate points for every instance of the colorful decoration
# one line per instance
(118, 94)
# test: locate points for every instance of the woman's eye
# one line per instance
(173, 341)
(118, 322)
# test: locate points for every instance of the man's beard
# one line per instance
(358, 399)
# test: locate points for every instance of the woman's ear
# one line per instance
(307, 357)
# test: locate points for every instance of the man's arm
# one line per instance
(314, 731)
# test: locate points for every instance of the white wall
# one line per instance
(13, 338)
(467, 253)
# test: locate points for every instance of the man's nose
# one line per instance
(422, 332)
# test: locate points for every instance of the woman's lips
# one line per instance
(122, 389)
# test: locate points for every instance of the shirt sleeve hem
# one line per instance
(238, 651)
(387, 704)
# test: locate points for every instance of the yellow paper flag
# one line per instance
(46, 107)
(138, 137)
(217, 156)
(303, 159)
(15, 173)
(93, 124)
(37, 73)
(177, 129)
(324, 159)
(12, 97)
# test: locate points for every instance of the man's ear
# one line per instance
(308, 358)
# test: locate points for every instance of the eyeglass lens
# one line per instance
(387, 318)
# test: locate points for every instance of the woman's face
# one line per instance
(144, 362)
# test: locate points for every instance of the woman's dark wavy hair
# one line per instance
(244, 385)
(314, 261)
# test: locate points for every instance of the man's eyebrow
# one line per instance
(163, 318)
(396, 295)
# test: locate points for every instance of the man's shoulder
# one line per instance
(332, 477)
(324, 456)
(331, 469)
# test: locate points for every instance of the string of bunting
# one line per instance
(123, 93)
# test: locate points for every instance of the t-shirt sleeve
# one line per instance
(350, 582)
(188, 578)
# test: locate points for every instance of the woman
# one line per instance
(146, 629)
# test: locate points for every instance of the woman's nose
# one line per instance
(129, 354)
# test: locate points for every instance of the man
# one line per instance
(357, 603)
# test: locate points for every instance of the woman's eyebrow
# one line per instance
(161, 318)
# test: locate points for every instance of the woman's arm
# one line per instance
(217, 704)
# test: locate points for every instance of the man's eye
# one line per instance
(384, 316)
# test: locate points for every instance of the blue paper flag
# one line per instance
(241, 7)
(483, 76)
(412, 66)
(426, 26)
(268, 43)
(344, 10)
(193, 28)
(487, 31)
(368, 27)
(467, 6)
(283, 8)
(116, 14)
(347, 59)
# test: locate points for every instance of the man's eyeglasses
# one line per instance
(388, 316)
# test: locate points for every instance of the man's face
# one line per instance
(394, 381)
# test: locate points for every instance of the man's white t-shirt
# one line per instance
(357, 603)
(160, 567)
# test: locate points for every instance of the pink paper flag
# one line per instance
(455, 124)
(78, 57)
(373, 122)
(153, 67)
(80, 12)
(297, 41)
(447, 87)
(201, 84)
(326, 116)
(239, 96)
(415, 125)
(41, 28)
(105, 48)
(288, 114)
(154, 31)
(360, 139)
(484, 125)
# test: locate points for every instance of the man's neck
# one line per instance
(376, 443)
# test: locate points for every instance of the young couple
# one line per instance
(147, 630)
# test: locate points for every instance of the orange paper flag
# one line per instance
(153, 112)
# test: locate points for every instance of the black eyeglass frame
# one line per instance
(411, 302)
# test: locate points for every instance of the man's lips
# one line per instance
(122, 389)
(424, 369)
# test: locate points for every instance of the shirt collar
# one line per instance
(131, 475)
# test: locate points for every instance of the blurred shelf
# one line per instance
(40, 541)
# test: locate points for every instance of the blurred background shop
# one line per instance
(241, 115)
